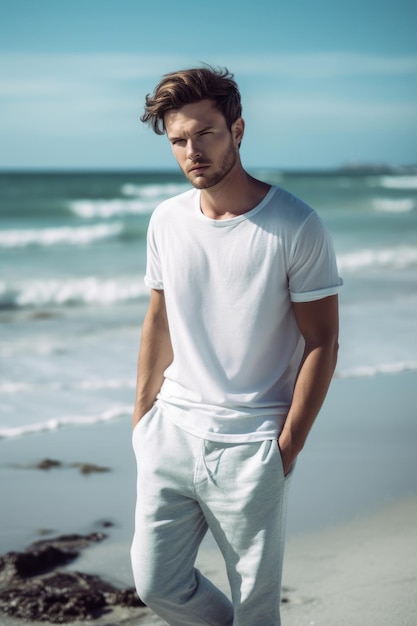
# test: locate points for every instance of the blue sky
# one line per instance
(323, 83)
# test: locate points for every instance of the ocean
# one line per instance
(72, 297)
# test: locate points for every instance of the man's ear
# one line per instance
(238, 130)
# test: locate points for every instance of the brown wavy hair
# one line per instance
(177, 89)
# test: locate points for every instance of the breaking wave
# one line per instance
(397, 205)
(69, 235)
(369, 371)
(400, 257)
(71, 291)
(117, 412)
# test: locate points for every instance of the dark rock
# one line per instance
(90, 468)
(105, 523)
(31, 588)
(26, 564)
(68, 542)
(47, 464)
(44, 532)
(64, 597)
(44, 555)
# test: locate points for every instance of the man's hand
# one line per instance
(288, 456)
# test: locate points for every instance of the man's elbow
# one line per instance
(326, 343)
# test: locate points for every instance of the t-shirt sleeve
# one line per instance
(312, 271)
(153, 276)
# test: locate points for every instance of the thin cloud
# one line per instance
(37, 74)
(324, 65)
(333, 112)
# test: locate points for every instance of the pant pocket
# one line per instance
(141, 424)
(271, 456)
(278, 452)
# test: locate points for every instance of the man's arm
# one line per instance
(318, 322)
(155, 354)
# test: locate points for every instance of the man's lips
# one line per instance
(197, 168)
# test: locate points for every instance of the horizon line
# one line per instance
(346, 167)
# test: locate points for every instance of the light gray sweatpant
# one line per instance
(185, 486)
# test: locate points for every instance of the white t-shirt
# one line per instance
(228, 287)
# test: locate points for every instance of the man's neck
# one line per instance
(234, 195)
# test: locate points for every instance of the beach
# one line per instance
(72, 302)
(352, 527)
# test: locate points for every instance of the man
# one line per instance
(238, 348)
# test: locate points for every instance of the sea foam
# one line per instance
(397, 205)
(153, 192)
(398, 182)
(71, 291)
(142, 201)
(86, 385)
(106, 209)
(69, 235)
(401, 257)
(117, 412)
(370, 371)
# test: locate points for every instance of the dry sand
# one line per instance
(363, 573)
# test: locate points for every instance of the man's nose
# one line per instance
(193, 150)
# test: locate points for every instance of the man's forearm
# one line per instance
(314, 377)
(155, 354)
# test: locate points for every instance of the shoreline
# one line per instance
(352, 531)
(360, 454)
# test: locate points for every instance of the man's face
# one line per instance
(203, 146)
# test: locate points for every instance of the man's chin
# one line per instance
(201, 184)
(200, 181)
